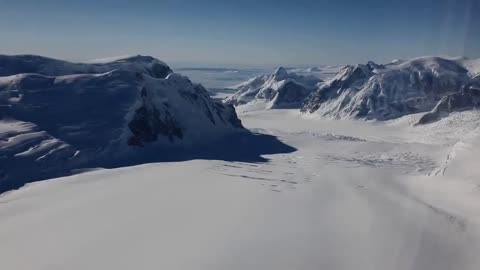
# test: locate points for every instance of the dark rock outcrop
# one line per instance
(466, 99)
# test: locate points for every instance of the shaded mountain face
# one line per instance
(278, 90)
(466, 99)
(52, 124)
(290, 95)
(387, 91)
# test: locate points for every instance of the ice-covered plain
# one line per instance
(355, 195)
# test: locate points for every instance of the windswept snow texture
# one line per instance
(278, 90)
(56, 116)
(356, 195)
(389, 91)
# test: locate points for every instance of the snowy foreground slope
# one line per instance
(390, 91)
(57, 116)
(282, 89)
(355, 195)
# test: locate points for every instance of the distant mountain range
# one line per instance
(389, 91)
(371, 91)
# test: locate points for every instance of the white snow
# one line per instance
(472, 65)
(355, 195)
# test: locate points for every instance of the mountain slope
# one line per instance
(278, 90)
(466, 99)
(53, 124)
(388, 91)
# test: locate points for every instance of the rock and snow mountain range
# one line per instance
(369, 91)
(56, 116)
(399, 88)
(282, 89)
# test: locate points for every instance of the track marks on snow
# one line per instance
(280, 174)
(327, 136)
(409, 162)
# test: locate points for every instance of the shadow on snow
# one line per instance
(241, 147)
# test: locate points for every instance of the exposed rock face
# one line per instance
(290, 95)
(385, 92)
(52, 123)
(341, 87)
(149, 123)
(280, 90)
(466, 99)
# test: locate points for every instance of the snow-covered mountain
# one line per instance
(389, 91)
(19, 64)
(466, 99)
(278, 90)
(56, 116)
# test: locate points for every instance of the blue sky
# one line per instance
(242, 32)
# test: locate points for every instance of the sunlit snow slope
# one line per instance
(356, 195)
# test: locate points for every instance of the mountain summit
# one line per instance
(280, 89)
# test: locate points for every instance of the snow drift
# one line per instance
(56, 116)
